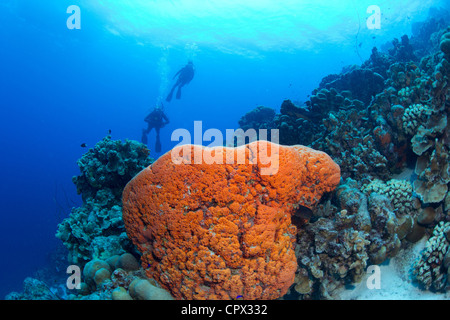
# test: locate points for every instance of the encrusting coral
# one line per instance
(219, 231)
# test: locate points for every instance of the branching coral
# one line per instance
(430, 270)
(414, 116)
(399, 192)
(217, 231)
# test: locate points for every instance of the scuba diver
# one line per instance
(185, 75)
(156, 119)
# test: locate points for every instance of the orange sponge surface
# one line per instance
(220, 231)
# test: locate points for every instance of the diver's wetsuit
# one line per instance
(185, 75)
(156, 119)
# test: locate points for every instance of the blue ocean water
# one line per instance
(60, 87)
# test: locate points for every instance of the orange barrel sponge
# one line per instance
(215, 223)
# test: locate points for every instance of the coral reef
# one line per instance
(333, 204)
(414, 116)
(93, 231)
(353, 147)
(33, 289)
(109, 166)
(377, 121)
(295, 124)
(399, 192)
(96, 230)
(427, 34)
(259, 118)
(378, 62)
(219, 231)
(323, 101)
(402, 50)
(347, 233)
(431, 269)
(118, 278)
(362, 83)
(444, 44)
(329, 254)
(433, 174)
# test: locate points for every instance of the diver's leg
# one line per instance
(158, 141)
(145, 132)
(179, 91)
(169, 96)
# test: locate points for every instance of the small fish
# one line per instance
(302, 216)
(83, 145)
(109, 131)
(360, 44)
(374, 37)
(303, 213)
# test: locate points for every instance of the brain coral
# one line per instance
(217, 231)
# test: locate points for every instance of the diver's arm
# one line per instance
(177, 73)
(166, 120)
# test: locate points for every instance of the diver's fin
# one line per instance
(179, 92)
(144, 137)
(169, 96)
(158, 146)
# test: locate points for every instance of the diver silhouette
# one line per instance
(156, 119)
(185, 75)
